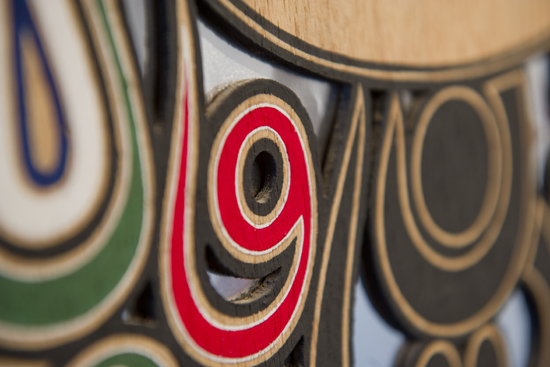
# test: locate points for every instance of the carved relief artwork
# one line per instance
(274, 183)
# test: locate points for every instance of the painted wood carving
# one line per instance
(242, 183)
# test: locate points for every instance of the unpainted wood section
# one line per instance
(44, 132)
(426, 33)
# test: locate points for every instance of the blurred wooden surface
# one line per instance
(425, 33)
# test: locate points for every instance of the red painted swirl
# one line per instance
(231, 343)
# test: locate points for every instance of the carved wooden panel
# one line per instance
(242, 183)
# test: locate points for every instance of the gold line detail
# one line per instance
(124, 343)
(487, 333)
(332, 223)
(524, 233)
(442, 75)
(540, 291)
(356, 201)
(439, 347)
(495, 167)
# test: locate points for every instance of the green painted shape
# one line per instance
(128, 359)
(65, 298)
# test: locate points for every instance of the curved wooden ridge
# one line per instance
(425, 33)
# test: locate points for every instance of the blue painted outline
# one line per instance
(23, 22)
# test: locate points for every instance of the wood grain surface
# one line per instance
(424, 33)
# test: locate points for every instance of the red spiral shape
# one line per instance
(244, 342)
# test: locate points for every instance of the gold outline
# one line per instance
(38, 338)
(296, 232)
(525, 225)
(117, 344)
(30, 265)
(332, 223)
(186, 94)
(487, 333)
(253, 218)
(494, 176)
(216, 146)
(439, 347)
(186, 76)
(453, 264)
(537, 232)
(359, 113)
(212, 314)
(456, 73)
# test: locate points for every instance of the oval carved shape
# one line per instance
(468, 273)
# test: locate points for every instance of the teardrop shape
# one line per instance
(41, 122)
